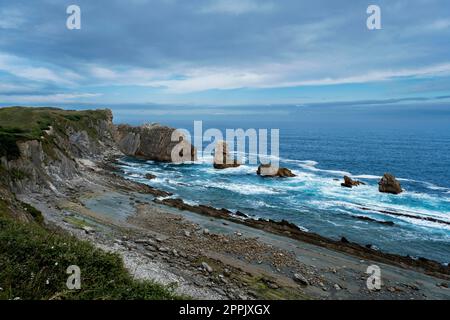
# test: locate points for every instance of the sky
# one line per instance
(223, 52)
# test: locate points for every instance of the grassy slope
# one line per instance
(34, 260)
(21, 123)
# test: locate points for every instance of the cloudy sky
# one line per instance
(207, 52)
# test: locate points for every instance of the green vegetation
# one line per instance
(22, 124)
(17, 174)
(35, 213)
(3, 208)
(34, 261)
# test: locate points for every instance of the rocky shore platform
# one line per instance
(209, 253)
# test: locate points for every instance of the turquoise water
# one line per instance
(321, 146)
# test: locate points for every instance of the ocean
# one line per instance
(321, 144)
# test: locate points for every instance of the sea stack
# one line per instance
(222, 158)
(389, 184)
(267, 170)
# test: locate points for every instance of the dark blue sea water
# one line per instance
(321, 144)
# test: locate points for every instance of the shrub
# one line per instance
(34, 260)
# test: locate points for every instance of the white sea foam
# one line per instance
(366, 176)
(329, 194)
(247, 189)
(311, 165)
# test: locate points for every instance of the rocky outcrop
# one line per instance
(287, 229)
(154, 142)
(150, 176)
(267, 170)
(48, 152)
(53, 158)
(349, 182)
(222, 158)
(389, 184)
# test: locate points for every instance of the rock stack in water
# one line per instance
(222, 158)
(389, 184)
(349, 182)
(153, 142)
(267, 170)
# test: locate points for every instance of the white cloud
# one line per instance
(269, 77)
(12, 87)
(124, 75)
(26, 69)
(237, 7)
(10, 19)
(49, 98)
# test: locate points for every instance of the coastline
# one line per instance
(66, 171)
(169, 241)
(287, 229)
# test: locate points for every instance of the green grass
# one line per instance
(35, 213)
(22, 124)
(17, 174)
(33, 263)
(3, 209)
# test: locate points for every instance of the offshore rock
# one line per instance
(222, 158)
(266, 170)
(389, 184)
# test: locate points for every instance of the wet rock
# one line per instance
(267, 170)
(344, 240)
(389, 184)
(241, 214)
(349, 182)
(150, 176)
(387, 223)
(301, 279)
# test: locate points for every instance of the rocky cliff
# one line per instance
(44, 148)
(154, 142)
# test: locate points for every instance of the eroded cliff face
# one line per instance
(58, 154)
(154, 142)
